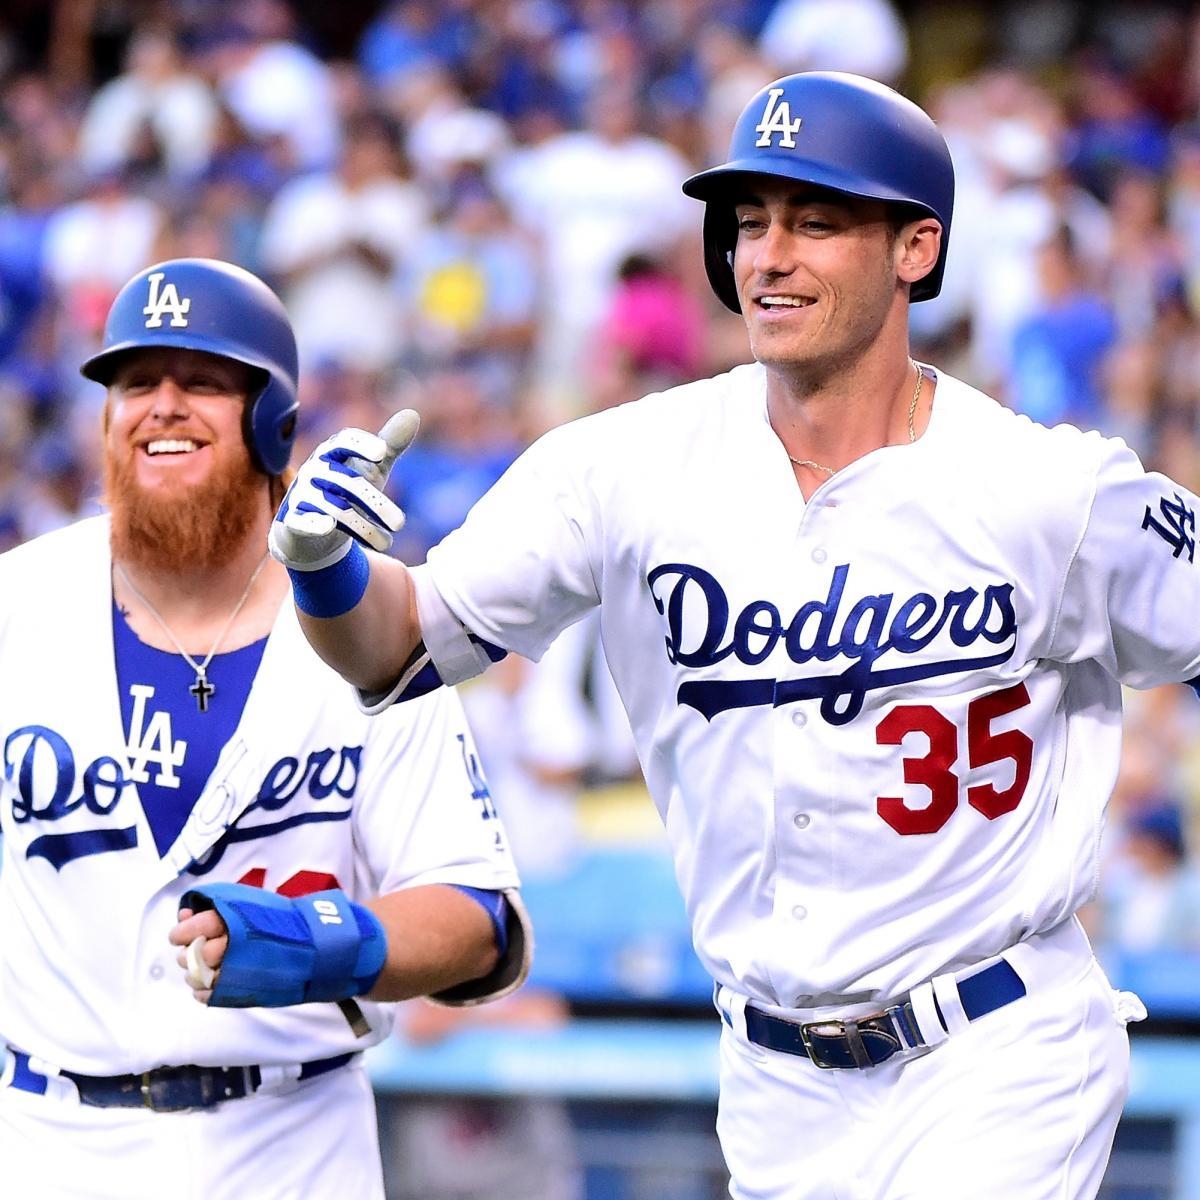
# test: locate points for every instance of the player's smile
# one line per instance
(171, 446)
(778, 304)
(173, 449)
(180, 456)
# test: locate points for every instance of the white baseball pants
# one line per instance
(1022, 1103)
(315, 1141)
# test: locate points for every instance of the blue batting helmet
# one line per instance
(205, 304)
(838, 131)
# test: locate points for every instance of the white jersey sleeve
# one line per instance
(520, 599)
(1131, 599)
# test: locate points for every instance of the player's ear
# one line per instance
(917, 246)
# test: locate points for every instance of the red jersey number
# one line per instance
(934, 769)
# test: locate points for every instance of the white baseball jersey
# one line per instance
(881, 727)
(308, 793)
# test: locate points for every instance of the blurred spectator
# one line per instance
(593, 197)
(16, 431)
(863, 36)
(220, 220)
(42, 121)
(156, 110)
(571, 689)
(536, 739)
(1060, 348)
(1133, 388)
(515, 66)
(278, 89)
(446, 134)
(1160, 71)
(548, 730)
(1145, 267)
(1112, 129)
(25, 215)
(1183, 203)
(1151, 898)
(252, 168)
(732, 69)
(1032, 194)
(651, 337)
(409, 35)
(335, 242)
(93, 244)
(334, 395)
(62, 486)
(471, 289)
(601, 46)
(467, 442)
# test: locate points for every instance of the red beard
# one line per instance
(198, 526)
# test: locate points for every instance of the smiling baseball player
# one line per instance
(870, 628)
(172, 748)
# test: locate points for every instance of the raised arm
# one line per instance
(370, 644)
(358, 610)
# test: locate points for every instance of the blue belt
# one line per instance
(165, 1089)
(871, 1040)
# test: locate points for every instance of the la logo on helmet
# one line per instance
(164, 300)
(777, 118)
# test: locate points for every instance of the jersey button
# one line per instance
(819, 555)
(799, 719)
(799, 912)
(801, 820)
(156, 971)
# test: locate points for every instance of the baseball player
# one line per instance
(870, 628)
(185, 782)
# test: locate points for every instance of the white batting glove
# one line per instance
(338, 496)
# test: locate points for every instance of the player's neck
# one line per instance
(828, 422)
(194, 603)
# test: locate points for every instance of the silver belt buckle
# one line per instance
(849, 1035)
(835, 1028)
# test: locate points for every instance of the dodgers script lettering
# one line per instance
(702, 631)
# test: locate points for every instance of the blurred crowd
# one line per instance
(473, 207)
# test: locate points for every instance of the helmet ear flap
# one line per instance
(269, 426)
(720, 238)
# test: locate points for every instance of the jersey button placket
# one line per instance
(823, 524)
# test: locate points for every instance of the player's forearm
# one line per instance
(437, 937)
(370, 644)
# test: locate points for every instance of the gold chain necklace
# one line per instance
(912, 432)
(201, 689)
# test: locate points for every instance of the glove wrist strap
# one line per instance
(333, 590)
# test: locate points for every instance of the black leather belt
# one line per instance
(166, 1089)
(871, 1040)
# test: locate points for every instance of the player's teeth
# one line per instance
(787, 301)
(171, 446)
